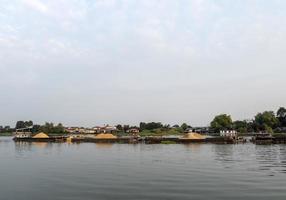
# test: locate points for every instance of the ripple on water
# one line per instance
(118, 171)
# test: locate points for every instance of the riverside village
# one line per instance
(267, 127)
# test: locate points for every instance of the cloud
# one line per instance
(36, 5)
(171, 57)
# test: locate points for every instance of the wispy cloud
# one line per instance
(173, 54)
(36, 5)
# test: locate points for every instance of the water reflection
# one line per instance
(271, 157)
(103, 145)
(224, 153)
(195, 148)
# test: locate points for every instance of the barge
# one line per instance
(22, 135)
(263, 138)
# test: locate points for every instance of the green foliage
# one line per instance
(221, 122)
(168, 142)
(150, 126)
(268, 129)
(281, 116)
(36, 128)
(265, 121)
(161, 132)
(240, 126)
(51, 129)
(23, 124)
(279, 134)
(6, 134)
(125, 128)
(119, 127)
(184, 126)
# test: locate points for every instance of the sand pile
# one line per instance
(41, 135)
(193, 136)
(105, 136)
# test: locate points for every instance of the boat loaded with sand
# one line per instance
(25, 134)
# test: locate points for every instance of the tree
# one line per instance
(36, 128)
(184, 126)
(50, 128)
(119, 127)
(281, 116)
(142, 126)
(125, 128)
(240, 126)
(28, 123)
(221, 122)
(265, 121)
(150, 126)
(20, 124)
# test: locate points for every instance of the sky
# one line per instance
(93, 62)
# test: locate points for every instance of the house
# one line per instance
(228, 133)
(133, 130)
(79, 130)
(105, 129)
(200, 130)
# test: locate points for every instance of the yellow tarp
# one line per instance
(194, 136)
(105, 136)
(41, 135)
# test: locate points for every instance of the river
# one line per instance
(88, 171)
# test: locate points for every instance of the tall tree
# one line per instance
(281, 116)
(184, 126)
(28, 123)
(240, 126)
(265, 121)
(20, 124)
(119, 127)
(221, 122)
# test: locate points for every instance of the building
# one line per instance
(105, 129)
(228, 133)
(79, 130)
(133, 130)
(200, 130)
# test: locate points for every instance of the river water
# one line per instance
(52, 171)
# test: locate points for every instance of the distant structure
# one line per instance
(133, 132)
(94, 130)
(23, 132)
(200, 130)
(105, 129)
(228, 133)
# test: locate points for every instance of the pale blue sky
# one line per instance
(83, 62)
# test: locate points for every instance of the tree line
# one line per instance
(267, 121)
(48, 127)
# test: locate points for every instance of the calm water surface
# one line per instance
(120, 171)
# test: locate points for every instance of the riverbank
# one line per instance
(6, 134)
